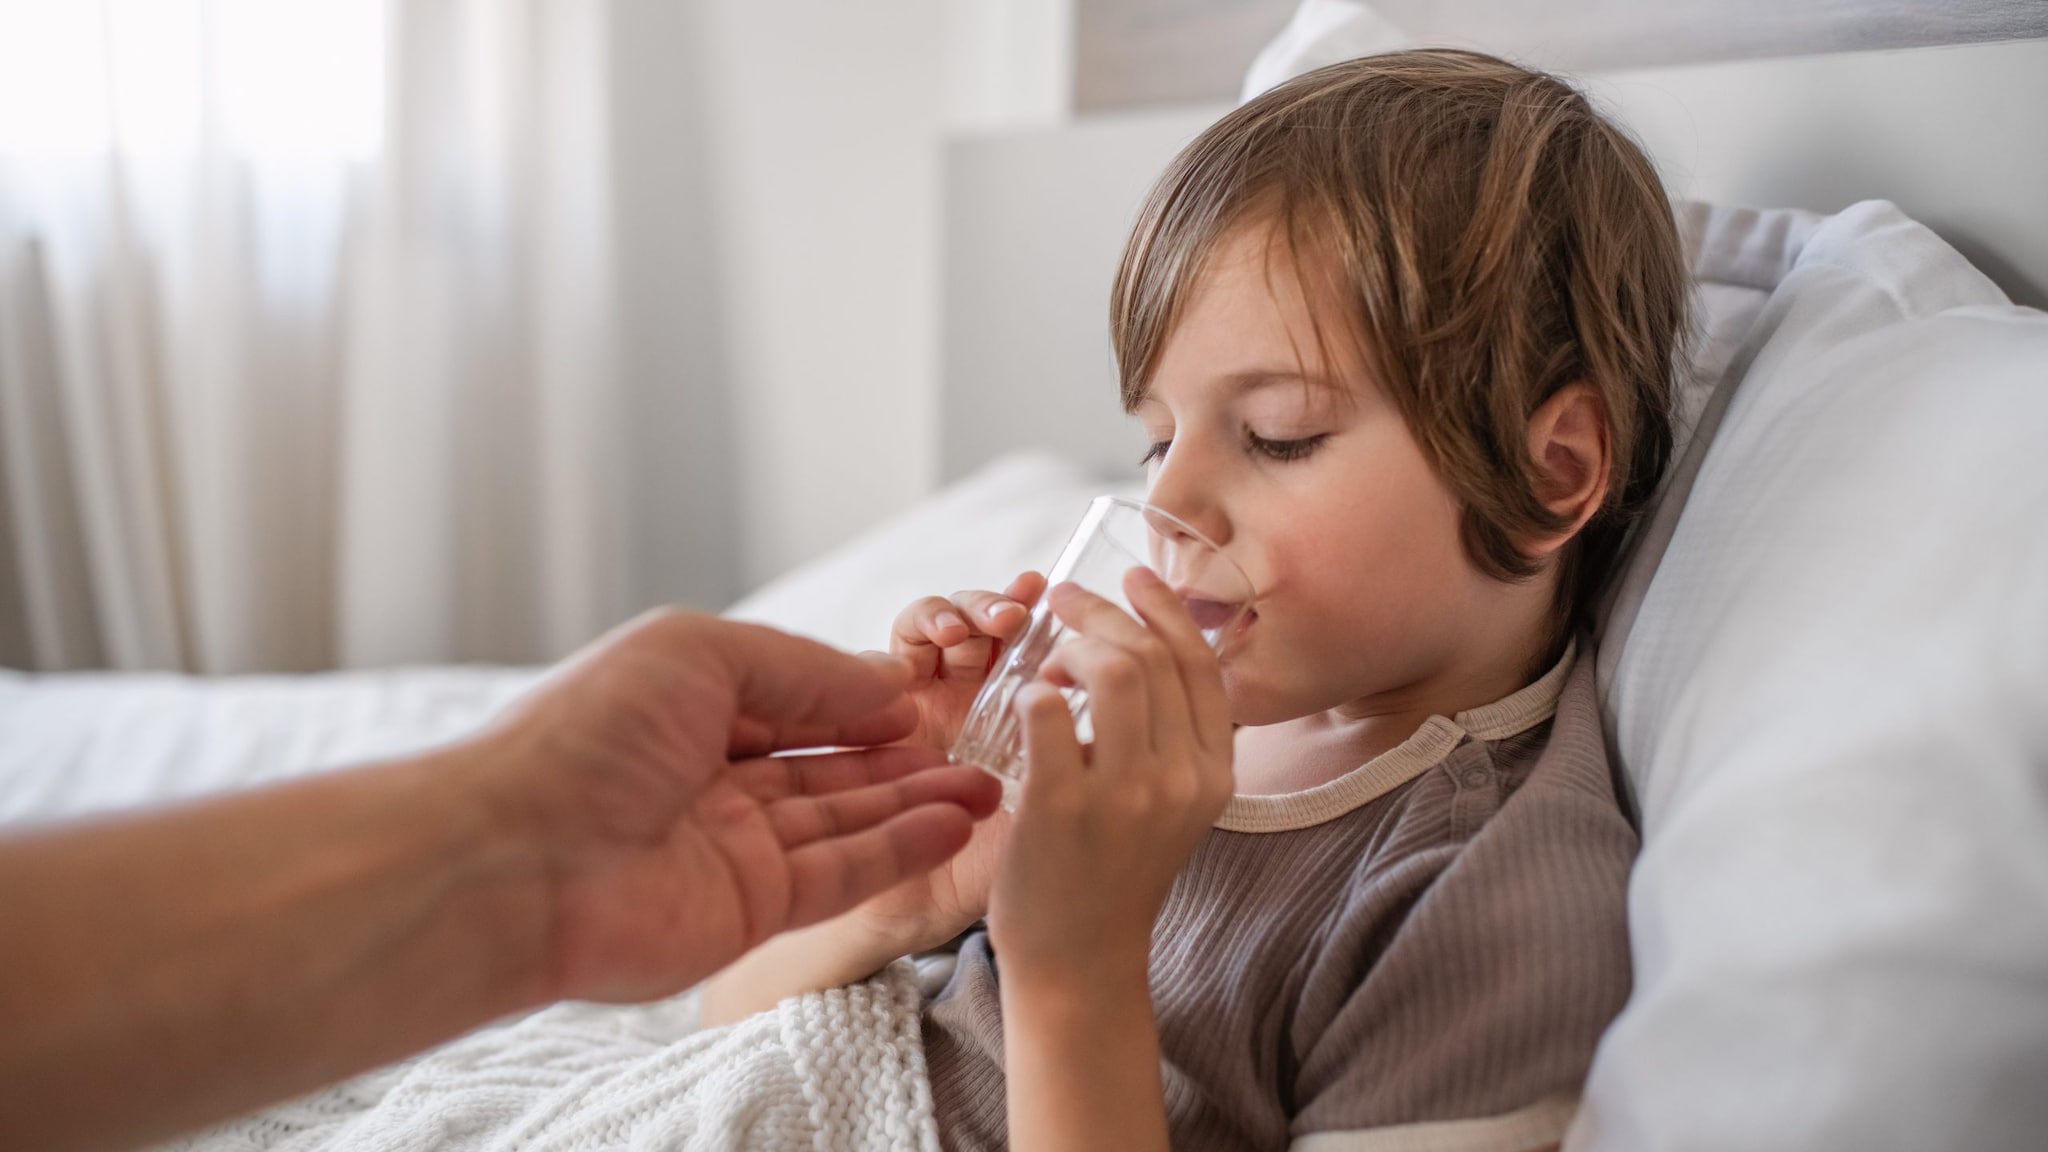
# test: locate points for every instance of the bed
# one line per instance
(1825, 670)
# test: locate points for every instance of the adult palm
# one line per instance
(676, 840)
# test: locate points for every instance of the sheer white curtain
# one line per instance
(307, 340)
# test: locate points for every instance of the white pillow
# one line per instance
(1319, 34)
(1833, 705)
(1011, 515)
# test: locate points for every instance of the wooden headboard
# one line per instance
(1957, 135)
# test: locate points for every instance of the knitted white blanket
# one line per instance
(836, 1071)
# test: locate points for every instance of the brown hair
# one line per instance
(1492, 239)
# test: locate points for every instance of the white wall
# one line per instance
(823, 123)
(685, 536)
(781, 194)
(1009, 64)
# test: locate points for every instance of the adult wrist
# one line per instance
(505, 858)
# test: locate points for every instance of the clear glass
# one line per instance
(1116, 535)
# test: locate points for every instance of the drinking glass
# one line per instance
(1117, 535)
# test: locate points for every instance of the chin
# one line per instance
(1255, 705)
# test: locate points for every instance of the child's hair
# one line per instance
(1490, 239)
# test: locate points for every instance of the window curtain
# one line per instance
(309, 341)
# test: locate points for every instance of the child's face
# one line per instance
(1306, 475)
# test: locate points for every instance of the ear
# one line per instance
(1568, 441)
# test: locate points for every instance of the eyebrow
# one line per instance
(1256, 379)
(1251, 380)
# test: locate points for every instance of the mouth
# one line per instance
(1210, 615)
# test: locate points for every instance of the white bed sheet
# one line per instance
(81, 743)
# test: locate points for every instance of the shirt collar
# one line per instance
(1517, 712)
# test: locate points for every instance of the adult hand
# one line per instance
(619, 834)
(673, 841)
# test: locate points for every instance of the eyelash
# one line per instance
(1285, 450)
(1280, 450)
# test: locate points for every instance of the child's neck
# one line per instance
(1299, 754)
(1312, 750)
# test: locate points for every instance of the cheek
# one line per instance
(1397, 520)
(1394, 549)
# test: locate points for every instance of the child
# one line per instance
(1400, 333)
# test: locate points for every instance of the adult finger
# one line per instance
(751, 737)
(803, 692)
(772, 778)
(829, 876)
(800, 820)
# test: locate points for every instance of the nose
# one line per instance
(1183, 487)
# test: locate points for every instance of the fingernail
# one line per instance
(1147, 576)
(947, 620)
(1004, 609)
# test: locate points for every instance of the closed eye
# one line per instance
(1284, 450)
(1157, 451)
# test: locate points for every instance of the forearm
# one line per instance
(1081, 1056)
(162, 971)
(825, 955)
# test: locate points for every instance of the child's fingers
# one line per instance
(1134, 672)
(927, 621)
(1092, 615)
(994, 613)
(934, 634)
(1203, 708)
(1026, 588)
(1051, 750)
(1119, 699)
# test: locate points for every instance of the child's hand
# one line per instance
(951, 644)
(1101, 831)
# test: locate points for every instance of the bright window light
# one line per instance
(282, 78)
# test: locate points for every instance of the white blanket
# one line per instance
(839, 1070)
(835, 1071)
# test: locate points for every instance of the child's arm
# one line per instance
(1082, 1060)
(825, 955)
(1098, 838)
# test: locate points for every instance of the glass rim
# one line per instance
(1147, 508)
